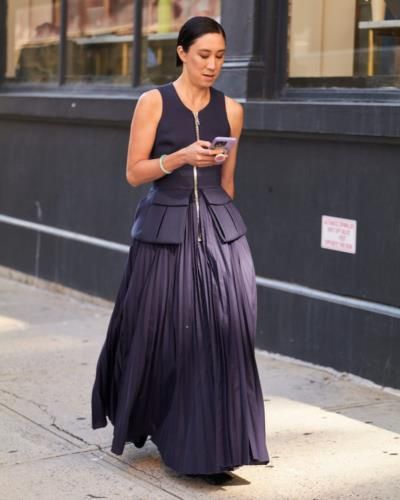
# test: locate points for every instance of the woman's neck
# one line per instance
(193, 97)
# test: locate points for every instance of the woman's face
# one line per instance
(204, 59)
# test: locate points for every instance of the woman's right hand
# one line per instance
(200, 154)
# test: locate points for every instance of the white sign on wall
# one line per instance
(338, 234)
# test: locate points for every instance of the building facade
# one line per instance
(318, 175)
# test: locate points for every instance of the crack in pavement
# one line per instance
(44, 408)
(53, 424)
(138, 473)
(50, 457)
(49, 430)
(17, 396)
(358, 405)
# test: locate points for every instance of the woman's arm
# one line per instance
(139, 168)
(234, 111)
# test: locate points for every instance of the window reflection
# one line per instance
(33, 29)
(342, 39)
(379, 34)
(100, 40)
(162, 20)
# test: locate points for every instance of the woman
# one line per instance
(178, 361)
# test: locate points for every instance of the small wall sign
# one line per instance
(338, 234)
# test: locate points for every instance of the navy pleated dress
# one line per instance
(178, 359)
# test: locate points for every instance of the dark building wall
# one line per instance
(64, 167)
(348, 339)
(69, 176)
(287, 184)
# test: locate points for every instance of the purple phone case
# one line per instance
(227, 143)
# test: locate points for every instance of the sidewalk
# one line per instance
(329, 436)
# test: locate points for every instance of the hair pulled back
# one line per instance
(194, 28)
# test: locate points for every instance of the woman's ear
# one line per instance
(181, 53)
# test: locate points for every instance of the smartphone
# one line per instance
(226, 143)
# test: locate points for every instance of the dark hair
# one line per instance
(194, 28)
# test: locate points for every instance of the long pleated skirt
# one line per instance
(178, 360)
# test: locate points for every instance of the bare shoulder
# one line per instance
(233, 108)
(234, 111)
(152, 96)
(150, 103)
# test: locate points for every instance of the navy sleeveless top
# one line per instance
(176, 130)
(160, 216)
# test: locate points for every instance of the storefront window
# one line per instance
(162, 20)
(344, 43)
(33, 28)
(99, 38)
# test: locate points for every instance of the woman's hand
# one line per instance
(200, 154)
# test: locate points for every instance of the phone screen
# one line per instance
(223, 143)
(219, 144)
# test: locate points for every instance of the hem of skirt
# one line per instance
(225, 468)
(222, 468)
(99, 423)
(117, 450)
(219, 468)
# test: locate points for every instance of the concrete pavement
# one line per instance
(330, 435)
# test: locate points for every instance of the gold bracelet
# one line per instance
(162, 165)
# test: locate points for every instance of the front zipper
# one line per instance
(196, 193)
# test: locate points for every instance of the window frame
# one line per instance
(270, 50)
(320, 91)
(61, 83)
(3, 39)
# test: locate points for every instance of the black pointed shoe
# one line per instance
(218, 479)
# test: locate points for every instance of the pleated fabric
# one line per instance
(178, 360)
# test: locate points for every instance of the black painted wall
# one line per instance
(70, 177)
(64, 166)
(287, 184)
(347, 339)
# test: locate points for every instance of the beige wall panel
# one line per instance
(338, 33)
(305, 38)
(321, 40)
